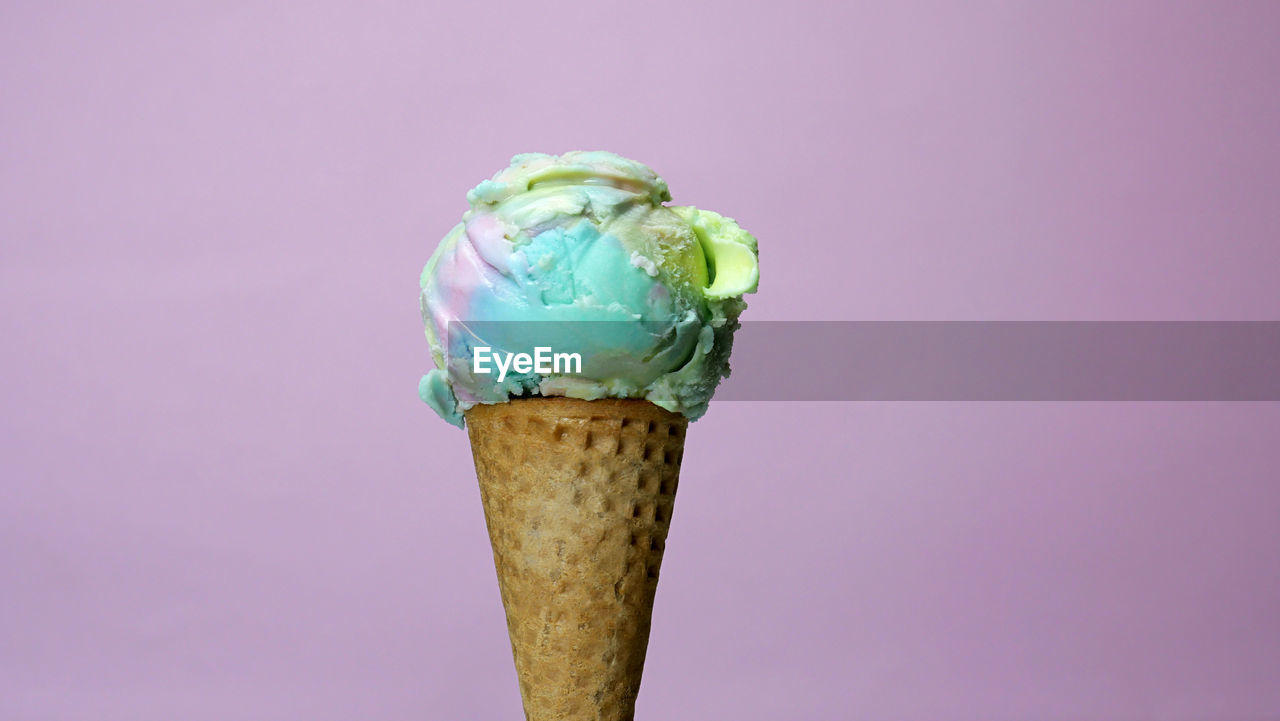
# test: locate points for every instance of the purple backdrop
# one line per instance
(222, 499)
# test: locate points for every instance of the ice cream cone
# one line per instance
(577, 498)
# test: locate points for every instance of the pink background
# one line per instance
(221, 498)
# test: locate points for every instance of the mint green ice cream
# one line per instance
(579, 254)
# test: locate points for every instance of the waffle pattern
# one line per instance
(578, 498)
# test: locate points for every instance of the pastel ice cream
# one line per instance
(579, 254)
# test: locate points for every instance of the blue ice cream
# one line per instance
(579, 254)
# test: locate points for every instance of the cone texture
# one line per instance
(577, 497)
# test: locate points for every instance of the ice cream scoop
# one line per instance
(579, 254)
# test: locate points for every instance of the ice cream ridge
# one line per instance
(579, 253)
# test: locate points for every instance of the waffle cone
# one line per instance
(577, 498)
